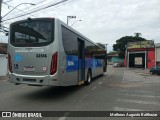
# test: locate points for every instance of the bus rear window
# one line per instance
(31, 33)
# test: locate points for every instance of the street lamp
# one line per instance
(70, 17)
(75, 22)
(106, 47)
(15, 8)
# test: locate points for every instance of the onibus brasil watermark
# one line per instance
(21, 114)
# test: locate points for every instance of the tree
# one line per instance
(137, 34)
(121, 44)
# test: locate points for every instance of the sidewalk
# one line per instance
(4, 78)
(142, 71)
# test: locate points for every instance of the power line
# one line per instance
(18, 9)
(27, 8)
(37, 10)
(38, 7)
(70, 2)
(56, 7)
(22, 10)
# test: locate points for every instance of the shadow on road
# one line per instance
(54, 93)
(51, 93)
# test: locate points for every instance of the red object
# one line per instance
(9, 63)
(151, 59)
(140, 49)
(53, 68)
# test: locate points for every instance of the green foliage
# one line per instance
(137, 34)
(121, 43)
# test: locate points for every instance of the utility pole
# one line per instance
(0, 13)
(70, 17)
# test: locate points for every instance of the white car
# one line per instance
(115, 65)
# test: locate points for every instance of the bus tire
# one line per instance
(89, 76)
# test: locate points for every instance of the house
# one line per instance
(3, 59)
(114, 58)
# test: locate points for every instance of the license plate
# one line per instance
(29, 69)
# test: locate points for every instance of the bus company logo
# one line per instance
(41, 55)
(6, 114)
(70, 63)
(18, 58)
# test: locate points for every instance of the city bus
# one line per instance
(47, 52)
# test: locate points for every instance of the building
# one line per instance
(3, 59)
(3, 48)
(114, 58)
(157, 54)
(140, 54)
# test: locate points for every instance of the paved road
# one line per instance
(120, 89)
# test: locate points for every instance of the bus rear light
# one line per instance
(9, 63)
(53, 68)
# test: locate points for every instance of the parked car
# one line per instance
(115, 65)
(120, 64)
(155, 70)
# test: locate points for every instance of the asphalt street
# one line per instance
(119, 89)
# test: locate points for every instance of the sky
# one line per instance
(103, 21)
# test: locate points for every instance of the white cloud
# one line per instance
(108, 20)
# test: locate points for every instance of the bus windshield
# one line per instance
(31, 33)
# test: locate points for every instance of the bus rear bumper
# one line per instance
(45, 80)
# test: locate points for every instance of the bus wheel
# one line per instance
(89, 76)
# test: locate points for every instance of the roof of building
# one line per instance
(114, 55)
(157, 44)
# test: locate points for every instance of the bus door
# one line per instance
(81, 61)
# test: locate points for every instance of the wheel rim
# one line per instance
(89, 78)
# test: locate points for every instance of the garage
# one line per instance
(140, 54)
(137, 60)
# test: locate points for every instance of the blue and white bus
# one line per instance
(47, 52)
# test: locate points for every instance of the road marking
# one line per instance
(94, 87)
(134, 95)
(64, 116)
(100, 83)
(125, 109)
(138, 102)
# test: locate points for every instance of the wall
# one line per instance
(151, 59)
(3, 65)
(157, 54)
(117, 59)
